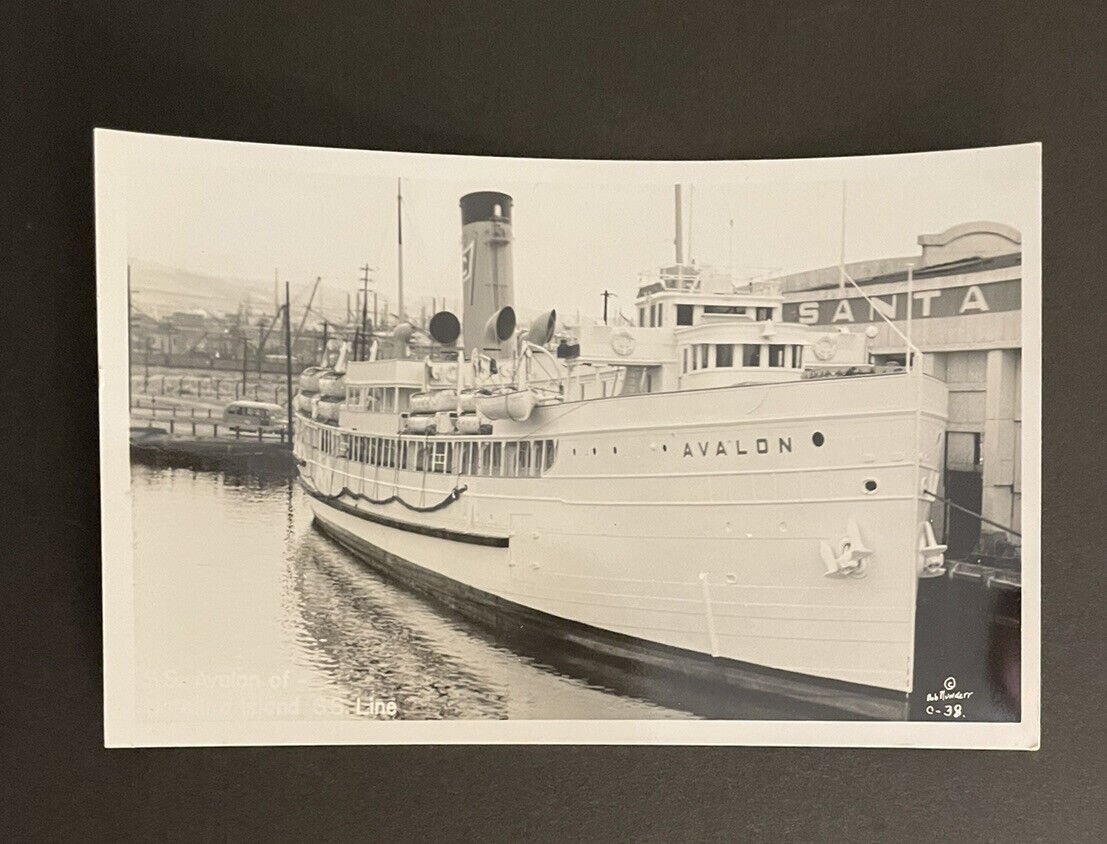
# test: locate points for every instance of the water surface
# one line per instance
(244, 610)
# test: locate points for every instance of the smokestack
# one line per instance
(486, 275)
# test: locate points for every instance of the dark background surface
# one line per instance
(620, 80)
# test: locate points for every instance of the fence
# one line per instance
(218, 389)
(198, 422)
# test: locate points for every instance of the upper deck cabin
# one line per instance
(683, 294)
(696, 328)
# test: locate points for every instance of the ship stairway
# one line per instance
(439, 462)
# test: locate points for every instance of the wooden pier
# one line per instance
(175, 433)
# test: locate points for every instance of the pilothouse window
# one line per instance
(723, 309)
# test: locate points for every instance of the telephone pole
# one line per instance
(364, 303)
(245, 344)
(606, 295)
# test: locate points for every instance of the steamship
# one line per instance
(711, 495)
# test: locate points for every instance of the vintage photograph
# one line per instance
(418, 448)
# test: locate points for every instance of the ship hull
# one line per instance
(693, 529)
(708, 686)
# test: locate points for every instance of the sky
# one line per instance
(248, 211)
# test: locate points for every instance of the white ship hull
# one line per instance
(682, 528)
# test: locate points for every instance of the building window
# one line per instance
(684, 314)
(751, 354)
(776, 354)
(724, 354)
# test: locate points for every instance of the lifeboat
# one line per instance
(419, 425)
(332, 385)
(438, 401)
(471, 424)
(332, 382)
(516, 406)
(444, 400)
(327, 409)
(420, 403)
(309, 379)
(302, 402)
(467, 401)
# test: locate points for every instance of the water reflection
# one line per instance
(244, 610)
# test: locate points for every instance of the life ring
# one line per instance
(622, 343)
(826, 347)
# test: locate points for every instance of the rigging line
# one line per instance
(957, 506)
(914, 349)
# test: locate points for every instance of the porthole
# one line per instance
(593, 450)
(664, 447)
(818, 439)
(614, 450)
(870, 486)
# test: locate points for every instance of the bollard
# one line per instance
(171, 427)
(193, 429)
(209, 413)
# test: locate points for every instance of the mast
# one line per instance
(364, 310)
(399, 251)
(842, 245)
(678, 239)
(288, 358)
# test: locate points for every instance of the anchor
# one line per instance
(933, 555)
(849, 557)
